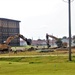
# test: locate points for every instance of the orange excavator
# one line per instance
(58, 41)
(5, 46)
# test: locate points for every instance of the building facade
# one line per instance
(9, 27)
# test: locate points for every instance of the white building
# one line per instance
(23, 43)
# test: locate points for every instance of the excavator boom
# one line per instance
(9, 39)
(47, 37)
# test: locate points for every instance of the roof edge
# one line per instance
(9, 19)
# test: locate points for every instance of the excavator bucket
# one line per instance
(29, 41)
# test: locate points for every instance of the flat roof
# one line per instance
(9, 19)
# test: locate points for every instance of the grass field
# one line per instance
(50, 65)
(56, 63)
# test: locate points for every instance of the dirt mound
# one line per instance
(62, 49)
(31, 49)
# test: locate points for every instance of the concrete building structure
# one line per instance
(9, 27)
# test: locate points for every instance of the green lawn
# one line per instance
(51, 65)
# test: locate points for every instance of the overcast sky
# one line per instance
(39, 17)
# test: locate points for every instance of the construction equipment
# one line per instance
(5, 46)
(58, 41)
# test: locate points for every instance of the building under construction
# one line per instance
(9, 27)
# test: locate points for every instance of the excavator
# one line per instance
(58, 41)
(5, 47)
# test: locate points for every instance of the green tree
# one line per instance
(64, 37)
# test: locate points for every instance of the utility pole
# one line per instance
(69, 6)
(69, 10)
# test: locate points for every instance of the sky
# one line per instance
(39, 17)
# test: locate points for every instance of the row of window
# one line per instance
(9, 24)
(9, 30)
